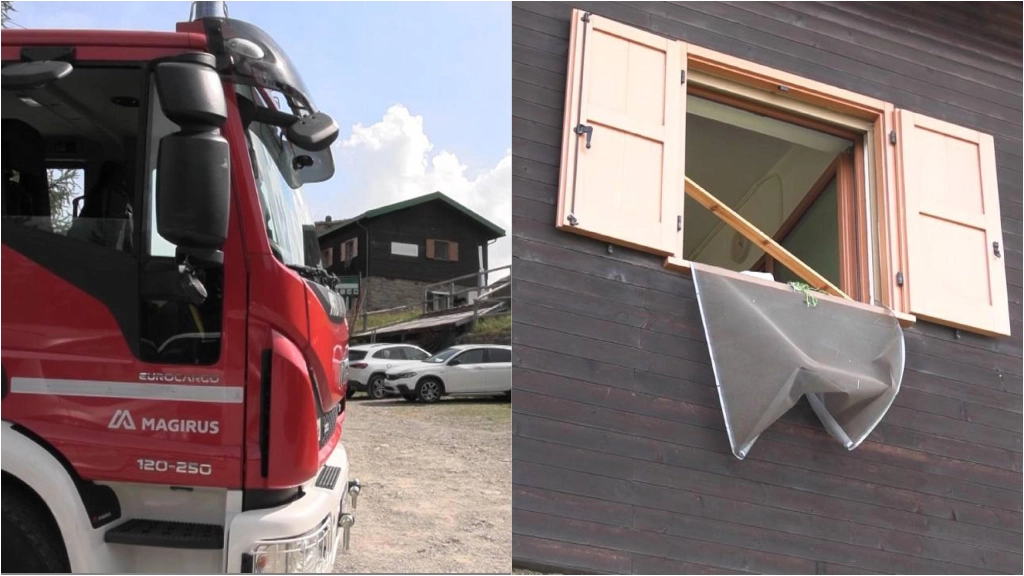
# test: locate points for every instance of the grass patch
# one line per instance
(493, 326)
(385, 318)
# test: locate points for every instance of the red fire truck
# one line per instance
(173, 354)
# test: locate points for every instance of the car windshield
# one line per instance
(442, 356)
(284, 207)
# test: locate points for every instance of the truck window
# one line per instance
(71, 173)
(173, 330)
(159, 126)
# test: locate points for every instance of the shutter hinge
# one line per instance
(586, 17)
(892, 137)
(584, 129)
(572, 220)
(679, 223)
(899, 278)
(996, 250)
(682, 76)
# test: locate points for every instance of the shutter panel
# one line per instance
(430, 248)
(355, 247)
(947, 176)
(626, 98)
(453, 251)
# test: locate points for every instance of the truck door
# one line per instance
(109, 358)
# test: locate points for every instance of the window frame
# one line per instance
(847, 169)
(451, 250)
(349, 249)
(824, 107)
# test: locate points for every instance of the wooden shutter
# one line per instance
(624, 97)
(955, 273)
(453, 251)
(430, 248)
(354, 250)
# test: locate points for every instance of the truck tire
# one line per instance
(429, 390)
(29, 529)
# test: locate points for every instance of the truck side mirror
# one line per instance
(194, 164)
(314, 132)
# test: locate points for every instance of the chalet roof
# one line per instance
(323, 228)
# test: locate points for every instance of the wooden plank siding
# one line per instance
(621, 462)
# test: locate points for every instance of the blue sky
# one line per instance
(422, 90)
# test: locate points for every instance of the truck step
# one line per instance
(164, 534)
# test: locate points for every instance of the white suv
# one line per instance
(368, 363)
(467, 369)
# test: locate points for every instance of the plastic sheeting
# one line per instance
(770, 345)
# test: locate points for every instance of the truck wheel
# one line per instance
(375, 388)
(429, 390)
(31, 531)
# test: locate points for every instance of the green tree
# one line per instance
(64, 183)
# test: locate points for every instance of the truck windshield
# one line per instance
(284, 207)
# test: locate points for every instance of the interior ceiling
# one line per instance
(727, 161)
(80, 105)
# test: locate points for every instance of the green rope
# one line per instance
(810, 300)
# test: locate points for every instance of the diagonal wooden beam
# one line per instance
(751, 232)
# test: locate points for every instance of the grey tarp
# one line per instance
(769, 347)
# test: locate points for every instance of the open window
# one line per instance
(701, 157)
(443, 250)
(794, 180)
(349, 250)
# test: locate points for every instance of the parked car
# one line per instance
(368, 363)
(466, 369)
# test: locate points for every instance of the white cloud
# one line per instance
(394, 160)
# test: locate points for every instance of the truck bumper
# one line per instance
(302, 536)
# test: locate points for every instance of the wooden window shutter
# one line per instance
(453, 251)
(355, 248)
(947, 177)
(430, 248)
(624, 136)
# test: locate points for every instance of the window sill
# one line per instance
(685, 266)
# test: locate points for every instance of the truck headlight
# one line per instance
(314, 551)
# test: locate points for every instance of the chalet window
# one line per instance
(701, 157)
(349, 249)
(443, 250)
(327, 256)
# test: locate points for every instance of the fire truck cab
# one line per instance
(173, 354)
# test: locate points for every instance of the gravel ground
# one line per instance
(437, 486)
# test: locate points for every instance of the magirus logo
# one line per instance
(122, 420)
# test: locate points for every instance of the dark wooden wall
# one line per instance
(621, 460)
(414, 225)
